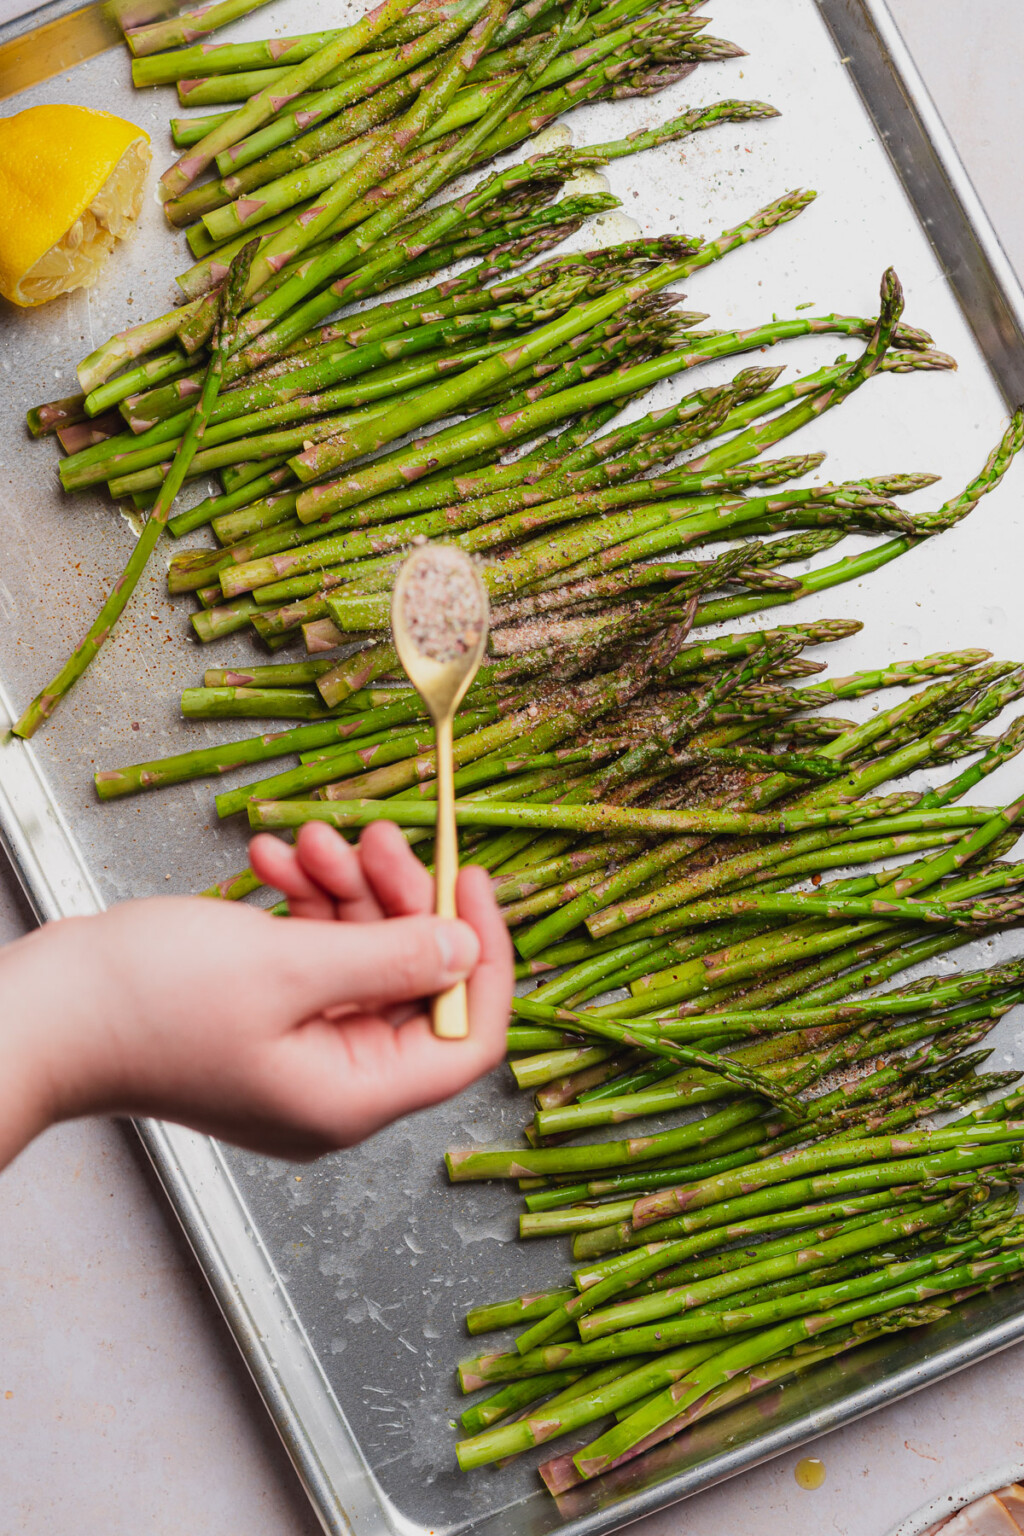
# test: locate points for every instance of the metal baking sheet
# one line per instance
(345, 1283)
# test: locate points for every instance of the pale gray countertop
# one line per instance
(124, 1407)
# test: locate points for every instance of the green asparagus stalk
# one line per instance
(682, 1368)
(528, 1163)
(318, 500)
(618, 819)
(658, 1045)
(766, 1344)
(187, 26)
(44, 704)
(598, 1321)
(365, 756)
(518, 1394)
(43, 419)
(269, 101)
(960, 914)
(278, 674)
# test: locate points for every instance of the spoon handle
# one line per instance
(449, 1012)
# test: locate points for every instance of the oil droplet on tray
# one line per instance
(809, 1472)
(585, 183)
(612, 229)
(557, 136)
(135, 520)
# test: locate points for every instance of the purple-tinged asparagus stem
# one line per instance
(270, 101)
(44, 704)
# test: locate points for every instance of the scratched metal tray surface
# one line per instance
(345, 1283)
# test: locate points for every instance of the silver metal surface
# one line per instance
(47, 40)
(929, 168)
(345, 1283)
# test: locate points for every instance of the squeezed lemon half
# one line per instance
(71, 184)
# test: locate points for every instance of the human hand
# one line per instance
(291, 1036)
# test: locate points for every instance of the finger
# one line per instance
(394, 1013)
(491, 985)
(277, 864)
(401, 884)
(308, 967)
(390, 1077)
(336, 866)
(371, 1074)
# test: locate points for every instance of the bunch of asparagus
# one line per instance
(809, 1211)
(576, 531)
(464, 123)
(287, 551)
(857, 1235)
(413, 98)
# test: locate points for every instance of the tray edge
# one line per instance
(51, 868)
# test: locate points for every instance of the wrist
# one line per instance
(48, 984)
(26, 1106)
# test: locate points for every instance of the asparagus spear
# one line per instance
(44, 704)
(187, 26)
(596, 1321)
(264, 105)
(628, 820)
(444, 398)
(766, 1344)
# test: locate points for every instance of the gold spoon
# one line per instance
(442, 685)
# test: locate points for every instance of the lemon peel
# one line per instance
(71, 184)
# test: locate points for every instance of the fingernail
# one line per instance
(458, 947)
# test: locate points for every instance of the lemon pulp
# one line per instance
(71, 186)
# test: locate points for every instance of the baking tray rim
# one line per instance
(210, 1207)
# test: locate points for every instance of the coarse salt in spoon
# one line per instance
(439, 617)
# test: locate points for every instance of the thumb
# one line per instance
(320, 964)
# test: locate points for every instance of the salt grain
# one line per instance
(441, 603)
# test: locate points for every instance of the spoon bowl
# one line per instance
(442, 681)
(442, 685)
